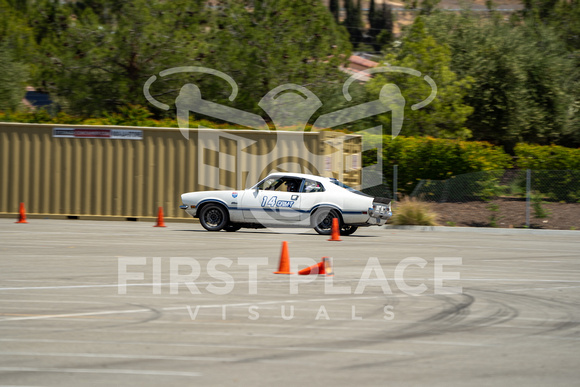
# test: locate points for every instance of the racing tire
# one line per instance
(348, 230)
(322, 220)
(214, 217)
(232, 227)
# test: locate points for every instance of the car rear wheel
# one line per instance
(322, 220)
(348, 230)
(214, 217)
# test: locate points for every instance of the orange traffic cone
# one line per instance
(323, 268)
(327, 266)
(284, 267)
(22, 217)
(160, 222)
(335, 233)
(314, 269)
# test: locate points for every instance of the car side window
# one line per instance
(270, 184)
(312, 186)
(281, 184)
(292, 185)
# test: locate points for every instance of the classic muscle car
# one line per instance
(288, 199)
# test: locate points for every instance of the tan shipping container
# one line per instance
(130, 177)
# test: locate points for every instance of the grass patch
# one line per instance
(411, 211)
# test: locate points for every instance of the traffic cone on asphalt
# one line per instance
(323, 268)
(22, 217)
(335, 233)
(314, 269)
(160, 222)
(284, 267)
(327, 266)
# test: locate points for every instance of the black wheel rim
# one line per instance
(213, 217)
(326, 222)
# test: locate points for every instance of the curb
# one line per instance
(484, 230)
(112, 218)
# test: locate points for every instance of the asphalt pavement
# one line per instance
(99, 303)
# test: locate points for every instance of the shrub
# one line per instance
(494, 215)
(539, 211)
(436, 159)
(542, 157)
(411, 211)
(556, 170)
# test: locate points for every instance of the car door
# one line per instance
(313, 193)
(276, 199)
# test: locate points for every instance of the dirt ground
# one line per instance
(511, 213)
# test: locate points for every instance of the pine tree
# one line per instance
(94, 60)
(353, 22)
(277, 43)
(334, 7)
(381, 23)
(371, 15)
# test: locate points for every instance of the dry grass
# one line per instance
(411, 211)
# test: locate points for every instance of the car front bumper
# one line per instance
(191, 210)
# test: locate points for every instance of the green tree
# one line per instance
(563, 15)
(15, 33)
(446, 115)
(16, 48)
(13, 76)
(275, 43)
(381, 25)
(104, 51)
(526, 83)
(372, 12)
(566, 21)
(542, 9)
(353, 22)
(426, 6)
(334, 8)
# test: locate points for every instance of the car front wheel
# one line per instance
(214, 217)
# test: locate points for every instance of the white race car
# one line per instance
(288, 199)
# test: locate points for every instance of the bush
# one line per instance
(556, 170)
(411, 211)
(539, 211)
(435, 159)
(543, 157)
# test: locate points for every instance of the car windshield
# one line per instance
(341, 184)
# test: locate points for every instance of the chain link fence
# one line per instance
(548, 185)
(531, 187)
(556, 186)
